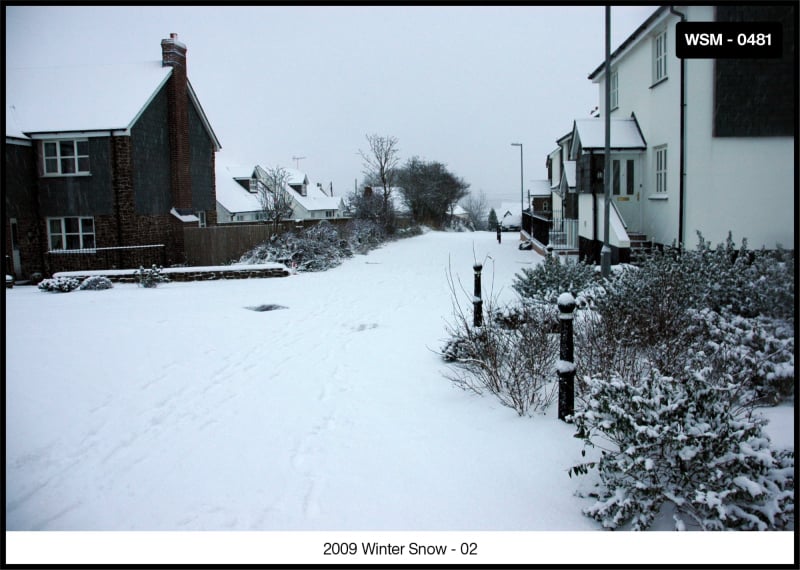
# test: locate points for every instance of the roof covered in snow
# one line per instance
(316, 199)
(510, 213)
(92, 97)
(230, 194)
(590, 134)
(540, 188)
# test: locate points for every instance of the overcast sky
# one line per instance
(456, 85)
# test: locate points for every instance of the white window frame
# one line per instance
(201, 218)
(660, 159)
(58, 163)
(660, 57)
(86, 239)
(613, 96)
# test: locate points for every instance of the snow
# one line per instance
(566, 300)
(90, 97)
(178, 409)
(565, 367)
(231, 194)
(184, 217)
(624, 133)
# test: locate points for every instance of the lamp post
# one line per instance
(521, 184)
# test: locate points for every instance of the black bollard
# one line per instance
(566, 364)
(499, 235)
(477, 302)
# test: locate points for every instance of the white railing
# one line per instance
(563, 233)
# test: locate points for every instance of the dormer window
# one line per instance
(66, 157)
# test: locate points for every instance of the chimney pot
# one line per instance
(173, 36)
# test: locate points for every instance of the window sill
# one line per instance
(71, 175)
(658, 197)
(659, 82)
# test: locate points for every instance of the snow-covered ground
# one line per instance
(180, 408)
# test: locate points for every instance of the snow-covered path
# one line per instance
(179, 408)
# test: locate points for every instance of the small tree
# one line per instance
(275, 200)
(492, 220)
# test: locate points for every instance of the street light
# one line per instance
(521, 192)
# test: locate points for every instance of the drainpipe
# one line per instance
(594, 196)
(681, 183)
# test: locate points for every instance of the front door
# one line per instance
(626, 190)
(17, 266)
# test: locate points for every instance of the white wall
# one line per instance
(617, 236)
(745, 185)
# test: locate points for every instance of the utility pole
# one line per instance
(605, 253)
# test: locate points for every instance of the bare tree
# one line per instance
(380, 164)
(276, 202)
(476, 206)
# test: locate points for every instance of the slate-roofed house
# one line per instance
(105, 164)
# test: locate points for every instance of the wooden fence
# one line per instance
(224, 243)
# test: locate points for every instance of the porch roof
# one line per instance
(589, 134)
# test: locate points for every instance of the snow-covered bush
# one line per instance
(683, 441)
(364, 235)
(317, 248)
(547, 280)
(641, 319)
(96, 283)
(756, 354)
(512, 355)
(59, 284)
(150, 278)
(745, 282)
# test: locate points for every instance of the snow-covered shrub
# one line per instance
(59, 284)
(683, 441)
(756, 353)
(745, 282)
(150, 278)
(511, 357)
(547, 280)
(96, 283)
(364, 235)
(317, 248)
(641, 320)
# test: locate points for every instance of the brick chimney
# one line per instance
(173, 54)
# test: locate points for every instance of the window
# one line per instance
(614, 91)
(615, 177)
(66, 157)
(201, 219)
(661, 169)
(660, 57)
(71, 233)
(629, 178)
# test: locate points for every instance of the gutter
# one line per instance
(682, 186)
